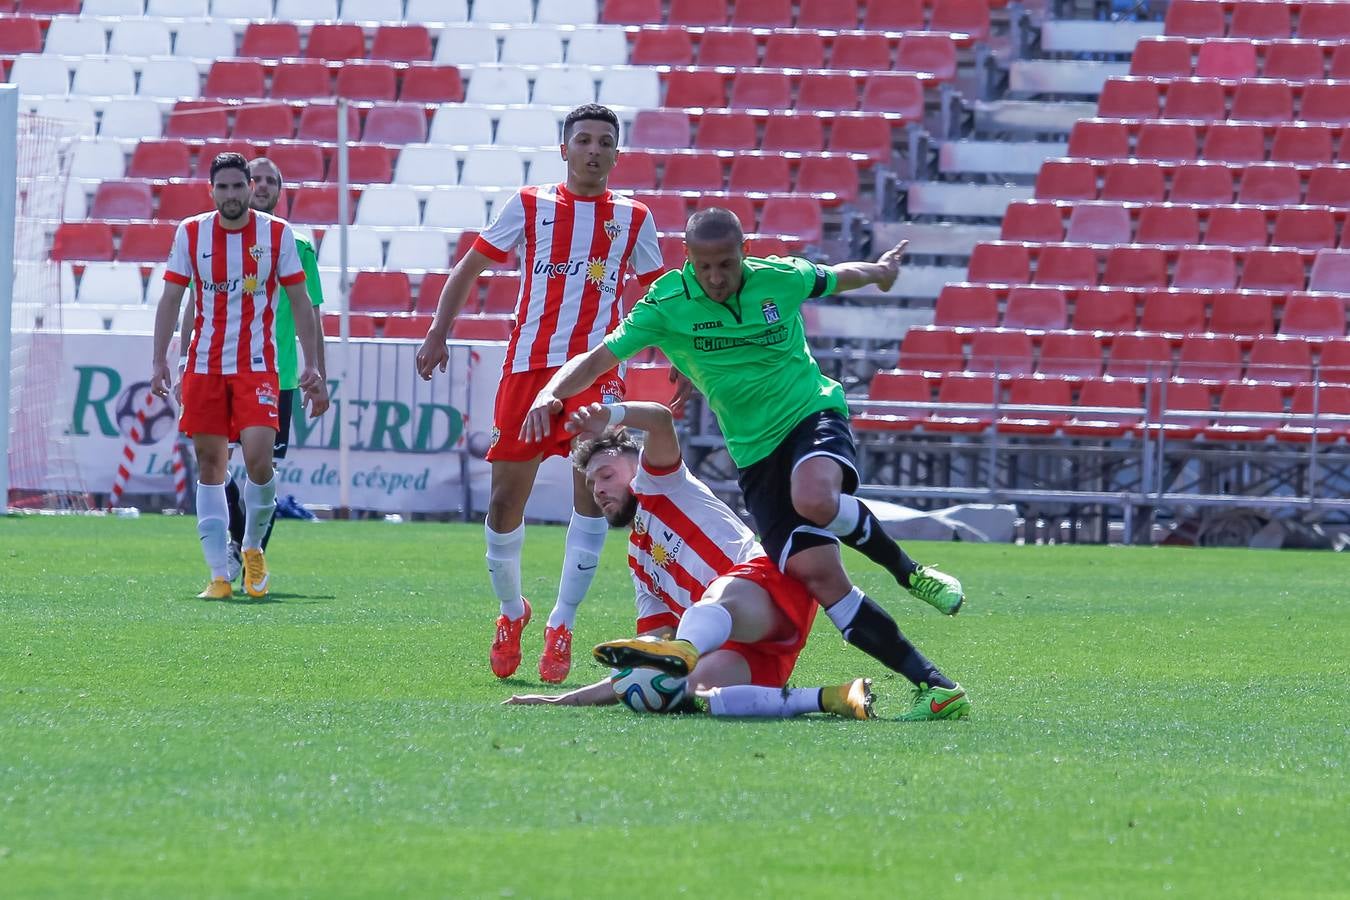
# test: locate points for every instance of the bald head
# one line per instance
(713, 225)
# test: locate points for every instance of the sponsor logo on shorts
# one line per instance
(612, 391)
(266, 396)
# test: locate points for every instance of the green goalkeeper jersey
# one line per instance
(288, 363)
(748, 356)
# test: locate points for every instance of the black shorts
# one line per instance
(767, 484)
(283, 441)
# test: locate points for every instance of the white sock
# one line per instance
(845, 522)
(503, 564)
(752, 701)
(581, 555)
(260, 502)
(213, 518)
(842, 613)
(705, 625)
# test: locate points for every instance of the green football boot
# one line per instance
(932, 703)
(938, 589)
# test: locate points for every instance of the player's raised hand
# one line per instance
(890, 263)
(432, 355)
(590, 420)
(539, 420)
(161, 380)
(314, 390)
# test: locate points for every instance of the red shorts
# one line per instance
(516, 393)
(227, 404)
(771, 662)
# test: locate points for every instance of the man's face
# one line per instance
(717, 266)
(266, 183)
(591, 151)
(610, 475)
(230, 193)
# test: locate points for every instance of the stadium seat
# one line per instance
(568, 85)
(529, 127)
(1328, 186)
(861, 51)
(1334, 362)
(1305, 227)
(796, 216)
(893, 15)
(40, 75)
(204, 40)
(794, 50)
(1066, 179)
(95, 77)
(1066, 265)
(1071, 354)
(122, 200)
(656, 46)
(498, 84)
(1326, 101)
(761, 90)
(1161, 57)
(1033, 390)
(401, 43)
(455, 124)
(896, 95)
(371, 11)
(1128, 99)
(1035, 309)
(429, 293)
(544, 167)
(1318, 400)
(270, 40)
(931, 56)
(364, 249)
(631, 12)
(1098, 400)
(1205, 268)
(1241, 314)
(83, 241)
(369, 164)
(638, 87)
(1263, 101)
(931, 350)
(319, 123)
(167, 78)
(1092, 139)
(465, 45)
(1167, 141)
(1133, 181)
(358, 325)
(1208, 357)
(1099, 223)
(111, 283)
(1137, 355)
(1195, 99)
(867, 134)
(1260, 21)
(397, 123)
(903, 394)
(1107, 311)
(1340, 62)
(381, 292)
(761, 174)
(1272, 270)
(1313, 316)
(242, 9)
(708, 13)
(532, 46)
(312, 10)
(180, 199)
(335, 42)
(634, 171)
(1235, 142)
(968, 16)
(1269, 184)
(1323, 22)
(431, 84)
(318, 206)
(140, 37)
(826, 15)
(189, 119)
(495, 167)
(1237, 226)
(74, 37)
(1168, 224)
(977, 390)
(1300, 143)
(1194, 19)
(794, 134)
(738, 204)
(1173, 312)
(724, 131)
(735, 48)
(1000, 263)
(455, 207)
(762, 14)
(1188, 406)
(98, 158)
(21, 34)
(1135, 267)
(481, 328)
(235, 79)
(597, 47)
(692, 172)
(669, 211)
(1265, 400)
(966, 306)
(1032, 220)
(405, 327)
(388, 205)
(695, 89)
(1203, 183)
(1279, 359)
(160, 159)
(1330, 271)
(1226, 59)
(409, 250)
(373, 82)
(566, 12)
(1298, 61)
(823, 175)
(503, 291)
(264, 122)
(427, 165)
(831, 91)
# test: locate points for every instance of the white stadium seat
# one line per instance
(372, 11)
(169, 77)
(529, 126)
(495, 167)
(546, 167)
(364, 249)
(133, 319)
(140, 37)
(455, 207)
(461, 45)
(75, 207)
(182, 9)
(40, 76)
(388, 205)
(532, 46)
(106, 282)
(154, 285)
(312, 10)
(76, 37)
(241, 9)
(428, 165)
(98, 158)
(131, 118)
(417, 250)
(460, 125)
(204, 40)
(436, 11)
(565, 86)
(603, 46)
(104, 77)
(509, 12)
(566, 12)
(498, 84)
(112, 8)
(631, 87)
(72, 109)
(73, 318)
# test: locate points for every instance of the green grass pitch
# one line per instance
(1146, 721)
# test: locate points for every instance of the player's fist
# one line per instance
(432, 355)
(160, 380)
(890, 265)
(539, 420)
(591, 419)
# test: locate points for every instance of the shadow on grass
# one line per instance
(294, 599)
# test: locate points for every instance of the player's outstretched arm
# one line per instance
(598, 694)
(166, 318)
(433, 355)
(307, 328)
(662, 448)
(577, 374)
(850, 276)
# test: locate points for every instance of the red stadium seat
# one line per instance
(1162, 57)
(794, 134)
(1135, 267)
(1133, 181)
(319, 123)
(1173, 312)
(1226, 59)
(1204, 183)
(432, 84)
(1067, 265)
(1323, 22)
(739, 205)
(1237, 226)
(21, 34)
(122, 200)
(634, 171)
(1340, 62)
(1263, 399)
(1000, 353)
(1099, 223)
(1295, 61)
(481, 328)
(1269, 184)
(210, 149)
(933, 54)
(1092, 139)
(798, 216)
(762, 14)
(1071, 354)
(761, 90)
(1272, 270)
(1032, 220)
(381, 292)
(301, 81)
(1137, 355)
(401, 43)
(736, 48)
(235, 79)
(725, 131)
(793, 50)
(368, 164)
(966, 306)
(767, 246)
(1196, 100)
(897, 389)
(1194, 19)
(662, 47)
(1235, 142)
(336, 42)
(160, 159)
(862, 134)
(1263, 101)
(685, 88)
(829, 91)
(649, 383)
(661, 129)
(1279, 359)
(1124, 98)
(1168, 224)
(429, 293)
(1305, 227)
(1296, 142)
(1188, 406)
(692, 172)
(180, 199)
(1333, 364)
(1241, 314)
(1103, 310)
(763, 174)
(864, 52)
(374, 81)
(1036, 309)
(1328, 186)
(400, 123)
(1326, 101)
(503, 291)
(967, 390)
(893, 15)
(318, 206)
(406, 327)
(968, 16)
(1331, 272)
(1170, 141)
(1098, 400)
(826, 174)
(1066, 179)
(1313, 316)
(931, 350)
(631, 12)
(270, 40)
(669, 211)
(696, 12)
(1000, 263)
(197, 119)
(1205, 268)
(358, 325)
(1032, 390)
(264, 122)
(1318, 400)
(895, 94)
(827, 15)
(1261, 21)
(298, 162)
(92, 241)
(147, 242)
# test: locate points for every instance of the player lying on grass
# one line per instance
(693, 560)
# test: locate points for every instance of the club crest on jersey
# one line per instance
(256, 252)
(612, 228)
(770, 311)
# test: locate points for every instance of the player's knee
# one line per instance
(815, 503)
(260, 473)
(504, 511)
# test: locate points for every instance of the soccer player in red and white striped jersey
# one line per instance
(235, 258)
(578, 238)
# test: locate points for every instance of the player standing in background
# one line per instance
(578, 238)
(266, 184)
(235, 257)
(733, 325)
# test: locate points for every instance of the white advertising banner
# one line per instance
(415, 446)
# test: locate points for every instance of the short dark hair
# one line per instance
(590, 111)
(713, 224)
(263, 159)
(617, 440)
(229, 161)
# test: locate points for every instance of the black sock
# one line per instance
(874, 632)
(872, 541)
(236, 507)
(267, 535)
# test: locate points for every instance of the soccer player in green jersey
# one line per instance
(732, 324)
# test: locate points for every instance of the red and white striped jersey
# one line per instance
(234, 277)
(683, 537)
(575, 250)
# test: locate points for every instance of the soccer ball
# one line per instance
(648, 690)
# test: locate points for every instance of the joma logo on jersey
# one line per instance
(704, 326)
(227, 286)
